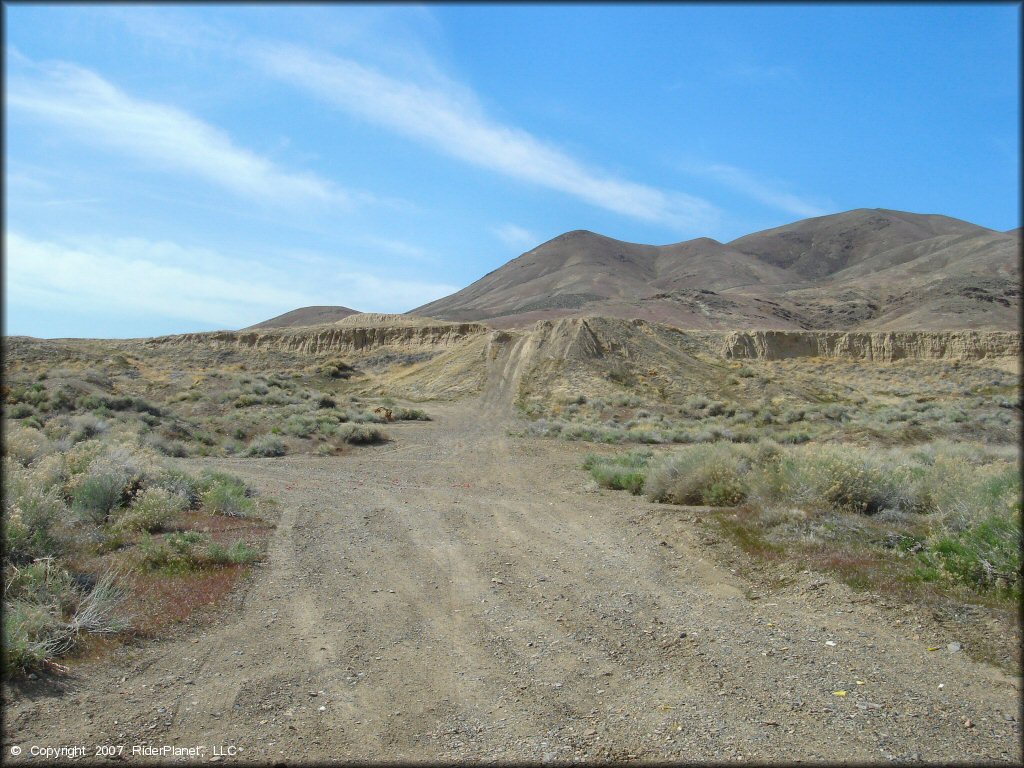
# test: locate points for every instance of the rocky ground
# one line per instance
(460, 594)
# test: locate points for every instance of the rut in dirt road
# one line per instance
(464, 594)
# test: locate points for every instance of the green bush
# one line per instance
(175, 552)
(714, 474)
(625, 472)
(266, 446)
(182, 485)
(411, 414)
(238, 553)
(299, 426)
(190, 550)
(152, 510)
(98, 493)
(26, 629)
(226, 495)
(31, 516)
(86, 426)
(361, 434)
(19, 411)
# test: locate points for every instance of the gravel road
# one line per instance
(461, 594)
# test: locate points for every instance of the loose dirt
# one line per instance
(461, 594)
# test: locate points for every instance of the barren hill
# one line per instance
(859, 270)
(305, 316)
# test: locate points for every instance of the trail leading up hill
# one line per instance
(463, 594)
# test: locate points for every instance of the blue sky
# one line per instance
(181, 168)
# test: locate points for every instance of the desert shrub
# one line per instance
(168, 447)
(226, 495)
(151, 510)
(99, 492)
(983, 555)
(622, 375)
(43, 582)
(238, 553)
(19, 411)
(623, 472)
(361, 434)
(247, 399)
(299, 426)
(190, 550)
(324, 449)
(174, 552)
(325, 401)
(26, 445)
(47, 617)
(80, 456)
(336, 369)
(26, 629)
(128, 403)
(794, 437)
(266, 446)
(411, 414)
(85, 426)
(714, 475)
(793, 415)
(182, 485)
(31, 514)
(839, 478)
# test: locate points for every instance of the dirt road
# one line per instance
(462, 594)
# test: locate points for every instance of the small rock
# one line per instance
(968, 723)
(953, 647)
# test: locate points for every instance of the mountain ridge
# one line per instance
(864, 269)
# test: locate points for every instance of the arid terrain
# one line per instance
(463, 594)
(466, 591)
(578, 535)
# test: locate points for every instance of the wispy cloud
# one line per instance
(767, 192)
(450, 119)
(515, 236)
(142, 278)
(93, 110)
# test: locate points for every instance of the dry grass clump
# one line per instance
(622, 472)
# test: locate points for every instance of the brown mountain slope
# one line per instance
(824, 245)
(305, 316)
(863, 269)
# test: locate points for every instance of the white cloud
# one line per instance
(93, 110)
(769, 193)
(515, 236)
(449, 118)
(141, 278)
